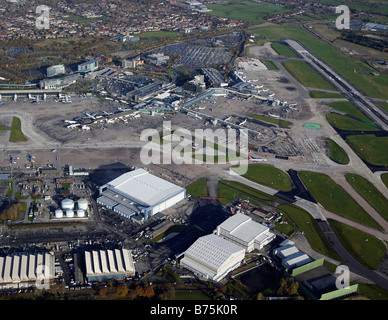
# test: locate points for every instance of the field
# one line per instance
(348, 108)
(309, 226)
(384, 178)
(369, 192)
(159, 34)
(269, 176)
(284, 123)
(16, 131)
(232, 190)
(346, 123)
(197, 188)
(245, 10)
(270, 64)
(353, 69)
(367, 249)
(283, 50)
(336, 153)
(370, 148)
(324, 95)
(335, 199)
(303, 73)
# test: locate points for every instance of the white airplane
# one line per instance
(121, 109)
(91, 116)
(70, 121)
(228, 118)
(256, 159)
(242, 123)
(66, 99)
(107, 113)
(35, 100)
(72, 126)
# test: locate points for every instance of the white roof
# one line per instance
(243, 227)
(212, 251)
(144, 187)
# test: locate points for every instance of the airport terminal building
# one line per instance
(139, 193)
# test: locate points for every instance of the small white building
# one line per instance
(245, 232)
(212, 257)
(291, 256)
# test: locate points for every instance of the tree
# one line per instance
(288, 287)
(122, 291)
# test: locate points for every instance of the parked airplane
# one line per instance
(107, 113)
(70, 121)
(72, 126)
(121, 109)
(30, 157)
(256, 159)
(66, 99)
(242, 123)
(11, 159)
(91, 116)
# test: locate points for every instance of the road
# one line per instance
(353, 94)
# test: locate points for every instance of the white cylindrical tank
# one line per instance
(83, 204)
(80, 213)
(69, 213)
(58, 214)
(67, 204)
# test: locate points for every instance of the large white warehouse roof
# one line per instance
(144, 187)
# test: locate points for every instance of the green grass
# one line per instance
(269, 176)
(345, 123)
(159, 34)
(284, 123)
(3, 128)
(348, 108)
(370, 148)
(283, 50)
(198, 188)
(384, 178)
(369, 192)
(364, 247)
(337, 153)
(231, 190)
(306, 223)
(307, 76)
(173, 229)
(384, 105)
(245, 10)
(372, 291)
(324, 95)
(270, 64)
(335, 199)
(16, 131)
(354, 70)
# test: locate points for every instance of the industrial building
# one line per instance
(108, 264)
(291, 256)
(196, 85)
(131, 63)
(55, 70)
(158, 58)
(23, 270)
(212, 257)
(139, 193)
(243, 231)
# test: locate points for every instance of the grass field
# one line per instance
(283, 50)
(369, 192)
(346, 123)
(336, 153)
(367, 249)
(16, 131)
(306, 223)
(232, 190)
(384, 178)
(198, 188)
(304, 74)
(348, 108)
(353, 69)
(324, 95)
(270, 64)
(245, 10)
(284, 123)
(269, 176)
(335, 199)
(370, 148)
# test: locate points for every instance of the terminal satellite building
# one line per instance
(139, 193)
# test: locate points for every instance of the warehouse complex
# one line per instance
(105, 264)
(245, 232)
(24, 270)
(291, 256)
(139, 193)
(213, 257)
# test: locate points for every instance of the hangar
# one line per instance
(104, 264)
(245, 232)
(212, 257)
(139, 192)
